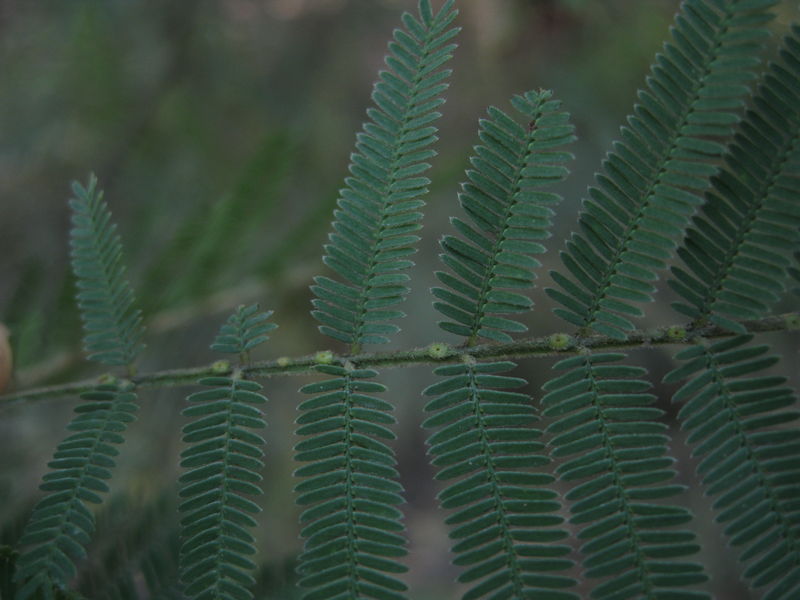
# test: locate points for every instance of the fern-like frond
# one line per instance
(650, 183)
(736, 253)
(352, 527)
(62, 524)
(506, 525)
(743, 425)
(375, 224)
(113, 326)
(607, 427)
(509, 214)
(224, 461)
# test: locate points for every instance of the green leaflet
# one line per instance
(613, 451)
(378, 212)
(742, 426)
(509, 216)
(736, 251)
(224, 463)
(113, 326)
(506, 529)
(351, 527)
(62, 524)
(650, 183)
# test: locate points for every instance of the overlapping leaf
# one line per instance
(375, 224)
(505, 525)
(606, 427)
(742, 422)
(651, 182)
(738, 250)
(113, 325)
(224, 462)
(510, 216)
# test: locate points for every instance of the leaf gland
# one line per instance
(439, 350)
(676, 333)
(221, 367)
(560, 342)
(324, 357)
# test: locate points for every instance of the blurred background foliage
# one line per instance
(221, 132)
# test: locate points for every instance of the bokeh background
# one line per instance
(221, 132)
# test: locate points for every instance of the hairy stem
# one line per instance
(526, 347)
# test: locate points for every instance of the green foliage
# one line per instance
(378, 213)
(487, 440)
(223, 459)
(595, 445)
(736, 250)
(605, 424)
(737, 418)
(352, 528)
(113, 326)
(62, 524)
(505, 523)
(509, 214)
(651, 183)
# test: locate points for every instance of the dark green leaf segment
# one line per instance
(742, 422)
(653, 180)
(505, 521)
(352, 526)
(736, 254)
(506, 526)
(377, 216)
(62, 523)
(620, 472)
(113, 326)
(223, 461)
(740, 419)
(509, 215)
